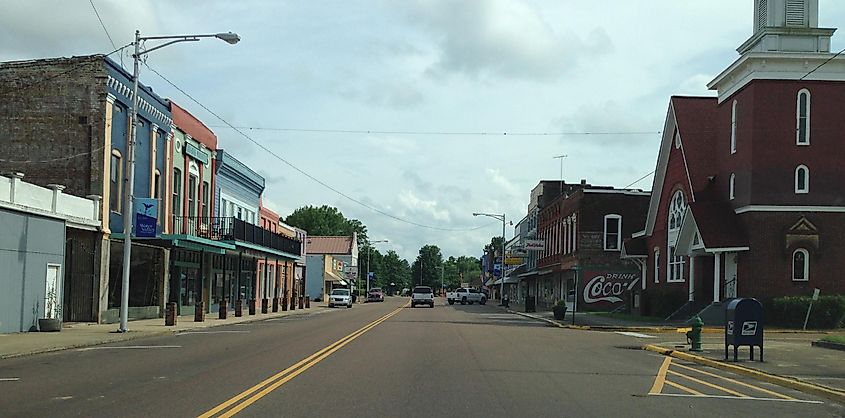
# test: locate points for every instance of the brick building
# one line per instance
(583, 230)
(69, 118)
(747, 198)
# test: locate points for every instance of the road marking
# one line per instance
(635, 334)
(286, 375)
(128, 347)
(684, 388)
(211, 332)
(773, 393)
(677, 395)
(661, 377)
(708, 384)
(9, 379)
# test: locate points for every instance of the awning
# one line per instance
(331, 276)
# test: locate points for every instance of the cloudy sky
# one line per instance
(384, 101)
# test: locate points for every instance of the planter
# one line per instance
(559, 312)
(50, 325)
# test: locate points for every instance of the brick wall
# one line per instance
(52, 122)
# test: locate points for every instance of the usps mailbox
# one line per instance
(744, 326)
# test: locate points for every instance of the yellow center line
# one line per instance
(773, 393)
(661, 376)
(708, 384)
(684, 388)
(294, 370)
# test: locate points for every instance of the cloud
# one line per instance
(417, 206)
(505, 38)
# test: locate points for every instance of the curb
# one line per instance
(130, 337)
(788, 382)
(828, 345)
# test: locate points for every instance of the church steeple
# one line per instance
(787, 26)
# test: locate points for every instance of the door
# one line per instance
(52, 305)
(79, 281)
(730, 275)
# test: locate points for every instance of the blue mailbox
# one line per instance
(744, 326)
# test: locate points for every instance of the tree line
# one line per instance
(428, 269)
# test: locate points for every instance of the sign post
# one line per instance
(809, 308)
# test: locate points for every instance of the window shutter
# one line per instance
(762, 13)
(795, 13)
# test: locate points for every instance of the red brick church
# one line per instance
(749, 190)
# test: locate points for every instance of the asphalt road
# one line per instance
(386, 360)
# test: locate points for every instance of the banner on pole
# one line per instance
(146, 217)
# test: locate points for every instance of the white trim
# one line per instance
(778, 208)
(660, 171)
(798, 118)
(806, 265)
(806, 188)
(618, 232)
(638, 234)
(733, 127)
(726, 250)
(656, 265)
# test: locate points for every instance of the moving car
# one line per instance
(422, 295)
(375, 295)
(466, 295)
(340, 297)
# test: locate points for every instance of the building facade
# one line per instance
(747, 196)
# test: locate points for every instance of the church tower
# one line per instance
(786, 44)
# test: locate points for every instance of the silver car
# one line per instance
(340, 297)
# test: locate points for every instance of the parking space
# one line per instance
(679, 378)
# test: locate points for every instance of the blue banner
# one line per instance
(146, 217)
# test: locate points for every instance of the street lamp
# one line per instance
(369, 245)
(502, 266)
(228, 37)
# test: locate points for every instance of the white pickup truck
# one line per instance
(466, 295)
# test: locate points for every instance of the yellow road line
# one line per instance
(773, 393)
(661, 376)
(684, 388)
(293, 371)
(708, 384)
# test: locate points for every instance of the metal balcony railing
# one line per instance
(233, 229)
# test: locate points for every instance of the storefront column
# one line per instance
(717, 272)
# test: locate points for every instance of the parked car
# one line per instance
(405, 292)
(422, 295)
(466, 295)
(340, 297)
(375, 295)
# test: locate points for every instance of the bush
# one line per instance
(828, 312)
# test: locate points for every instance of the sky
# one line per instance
(392, 109)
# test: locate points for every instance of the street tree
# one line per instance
(326, 220)
(426, 268)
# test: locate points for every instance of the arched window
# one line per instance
(802, 112)
(800, 265)
(677, 210)
(116, 182)
(732, 187)
(733, 127)
(612, 232)
(802, 179)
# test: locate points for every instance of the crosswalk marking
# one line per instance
(684, 388)
(708, 384)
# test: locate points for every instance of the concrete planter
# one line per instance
(559, 312)
(49, 325)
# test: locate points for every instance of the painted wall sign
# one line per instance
(146, 217)
(607, 287)
(535, 245)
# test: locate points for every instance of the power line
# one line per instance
(102, 24)
(822, 64)
(433, 133)
(52, 160)
(301, 171)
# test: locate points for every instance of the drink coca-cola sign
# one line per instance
(607, 287)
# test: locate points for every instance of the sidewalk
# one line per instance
(80, 334)
(790, 358)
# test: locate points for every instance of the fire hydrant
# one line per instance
(694, 335)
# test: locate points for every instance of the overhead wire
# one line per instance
(436, 133)
(301, 171)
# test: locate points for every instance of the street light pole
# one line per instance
(129, 179)
(502, 265)
(369, 245)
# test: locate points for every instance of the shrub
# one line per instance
(828, 312)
